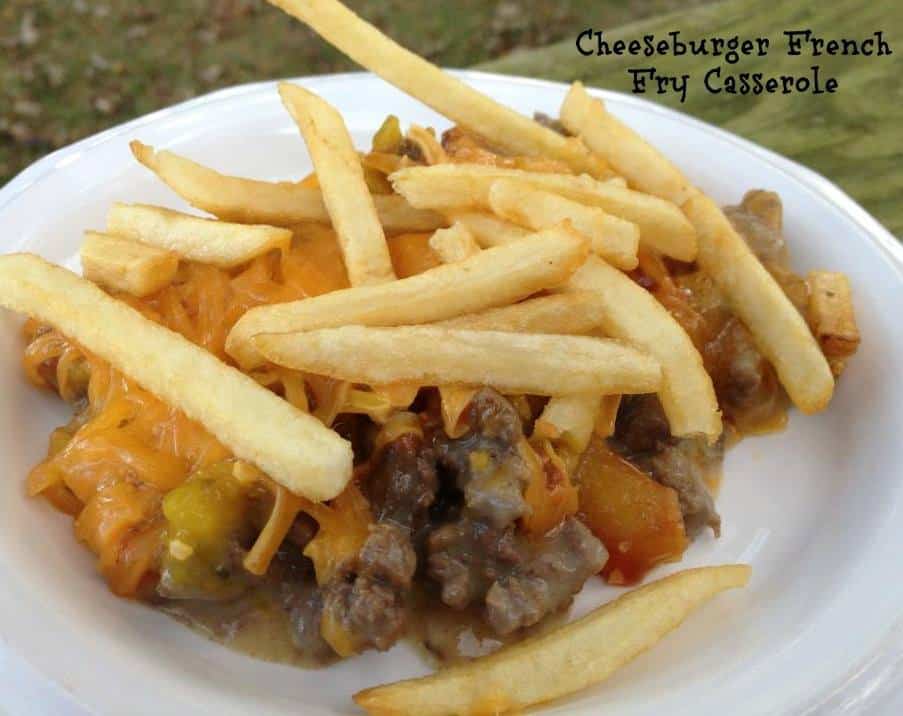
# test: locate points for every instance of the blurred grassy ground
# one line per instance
(854, 136)
(69, 69)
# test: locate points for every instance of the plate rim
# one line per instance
(856, 686)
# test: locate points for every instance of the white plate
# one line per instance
(815, 510)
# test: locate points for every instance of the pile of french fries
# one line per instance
(532, 297)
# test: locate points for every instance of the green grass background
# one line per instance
(69, 68)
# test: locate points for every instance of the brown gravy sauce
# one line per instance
(256, 624)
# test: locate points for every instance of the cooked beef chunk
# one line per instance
(368, 599)
(681, 466)
(742, 374)
(387, 556)
(466, 557)
(558, 566)
(641, 425)
(759, 219)
(403, 483)
(486, 462)
(304, 603)
(642, 436)
(520, 580)
(480, 556)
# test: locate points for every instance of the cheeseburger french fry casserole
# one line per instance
(427, 391)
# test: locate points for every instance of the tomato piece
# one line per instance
(638, 520)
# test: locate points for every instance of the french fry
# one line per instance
(777, 327)
(249, 201)
(455, 243)
(430, 355)
(560, 662)
(573, 313)
(832, 318)
(494, 277)
(569, 420)
(779, 330)
(632, 314)
(488, 229)
(341, 180)
(614, 239)
(448, 95)
(125, 265)
(607, 416)
(465, 187)
(195, 238)
(256, 425)
(629, 154)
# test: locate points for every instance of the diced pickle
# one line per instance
(388, 137)
(205, 518)
(376, 181)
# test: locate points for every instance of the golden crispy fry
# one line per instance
(607, 416)
(448, 95)
(465, 187)
(488, 229)
(563, 661)
(192, 237)
(430, 355)
(831, 313)
(572, 313)
(778, 328)
(633, 315)
(569, 419)
(455, 243)
(341, 180)
(495, 277)
(629, 154)
(614, 239)
(126, 265)
(249, 201)
(832, 318)
(290, 446)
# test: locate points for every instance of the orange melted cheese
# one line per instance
(112, 465)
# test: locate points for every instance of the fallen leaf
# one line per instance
(27, 108)
(28, 31)
(212, 73)
(106, 105)
(21, 132)
(136, 32)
